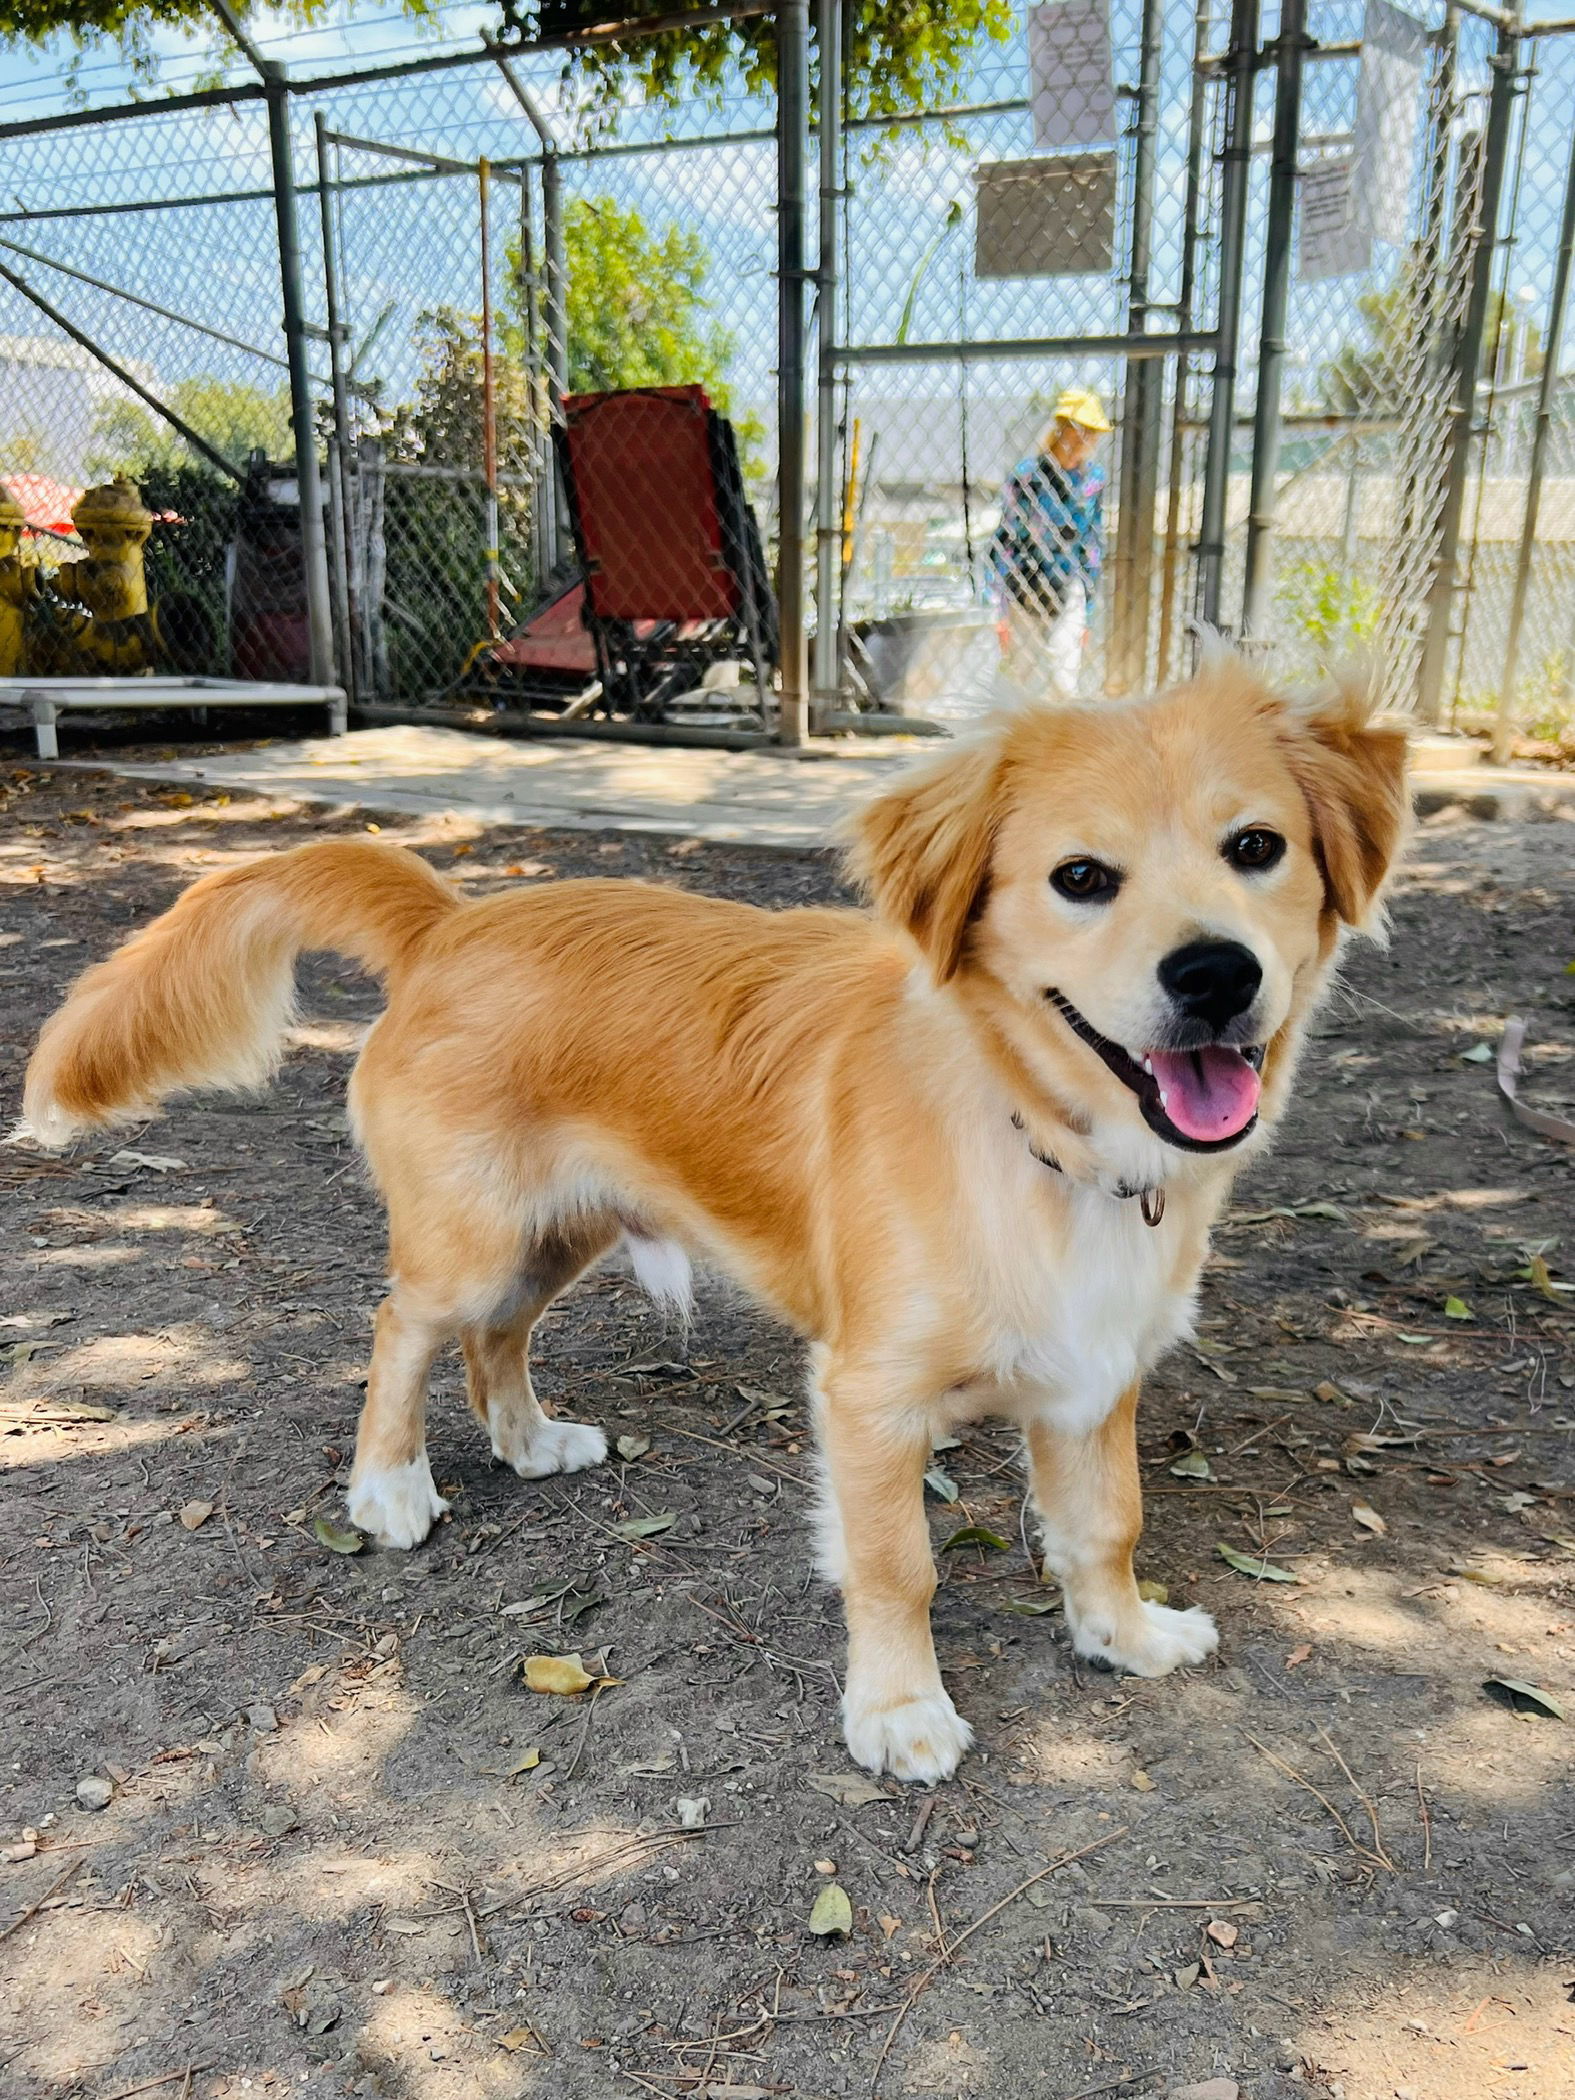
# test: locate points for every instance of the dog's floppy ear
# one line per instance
(922, 849)
(1352, 772)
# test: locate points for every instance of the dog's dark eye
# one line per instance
(1085, 881)
(1254, 849)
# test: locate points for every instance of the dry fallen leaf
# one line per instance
(1298, 1656)
(832, 1913)
(1260, 1570)
(1154, 1592)
(1142, 1782)
(851, 1789)
(195, 1514)
(888, 1924)
(337, 1538)
(1369, 1519)
(557, 1673)
(633, 1446)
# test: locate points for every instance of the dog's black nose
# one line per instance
(1212, 981)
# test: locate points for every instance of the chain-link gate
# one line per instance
(1337, 420)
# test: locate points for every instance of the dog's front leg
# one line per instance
(1090, 1501)
(896, 1715)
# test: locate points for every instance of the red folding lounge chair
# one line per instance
(675, 577)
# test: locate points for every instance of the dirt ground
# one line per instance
(346, 1851)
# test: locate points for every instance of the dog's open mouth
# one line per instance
(1202, 1100)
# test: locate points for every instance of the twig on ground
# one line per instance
(941, 1948)
(922, 1983)
(168, 2078)
(1426, 1821)
(920, 1822)
(1322, 1798)
(33, 1909)
(1366, 1801)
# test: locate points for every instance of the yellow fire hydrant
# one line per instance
(108, 581)
(18, 587)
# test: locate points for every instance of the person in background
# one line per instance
(1045, 555)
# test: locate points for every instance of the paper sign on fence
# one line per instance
(1072, 89)
(1046, 218)
(1388, 114)
(1331, 243)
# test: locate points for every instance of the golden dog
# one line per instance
(971, 1143)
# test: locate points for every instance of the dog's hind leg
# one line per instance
(497, 1366)
(1089, 1498)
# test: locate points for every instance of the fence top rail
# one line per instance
(617, 30)
(507, 170)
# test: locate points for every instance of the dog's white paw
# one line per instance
(921, 1739)
(398, 1505)
(1148, 1643)
(553, 1447)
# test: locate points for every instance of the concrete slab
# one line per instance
(793, 801)
(763, 798)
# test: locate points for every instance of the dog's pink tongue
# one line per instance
(1209, 1094)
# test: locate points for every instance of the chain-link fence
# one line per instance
(1309, 262)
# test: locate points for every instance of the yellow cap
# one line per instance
(1079, 405)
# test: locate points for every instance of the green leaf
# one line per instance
(1154, 1592)
(1513, 1692)
(1194, 1466)
(1478, 1054)
(1260, 1570)
(646, 1527)
(977, 1535)
(335, 1538)
(1457, 1309)
(832, 1913)
(941, 1484)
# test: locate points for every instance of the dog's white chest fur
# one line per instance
(1081, 1309)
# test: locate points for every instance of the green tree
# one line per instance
(434, 525)
(900, 53)
(1374, 370)
(637, 310)
(127, 438)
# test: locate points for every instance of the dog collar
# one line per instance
(1151, 1201)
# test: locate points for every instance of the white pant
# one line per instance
(1044, 657)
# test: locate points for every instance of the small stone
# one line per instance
(276, 1821)
(825, 1866)
(14, 1854)
(380, 1987)
(95, 1793)
(692, 1811)
(1098, 1924)
(1210, 2089)
(262, 1718)
(1446, 1918)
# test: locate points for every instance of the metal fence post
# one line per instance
(1552, 351)
(1242, 64)
(552, 517)
(1467, 362)
(828, 494)
(1143, 393)
(314, 545)
(1182, 398)
(1290, 44)
(339, 448)
(792, 156)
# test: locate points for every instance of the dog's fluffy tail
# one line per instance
(203, 996)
